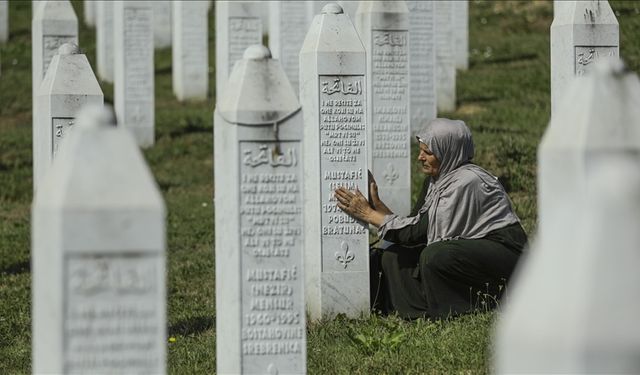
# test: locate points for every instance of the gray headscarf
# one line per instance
(464, 201)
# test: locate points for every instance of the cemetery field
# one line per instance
(503, 97)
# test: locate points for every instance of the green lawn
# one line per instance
(503, 97)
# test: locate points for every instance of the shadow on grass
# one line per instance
(194, 325)
(17, 268)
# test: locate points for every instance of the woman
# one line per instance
(463, 240)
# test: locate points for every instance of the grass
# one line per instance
(504, 97)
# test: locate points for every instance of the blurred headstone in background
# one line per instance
(581, 33)
(4, 21)
(288, 25)
(190, 50)
(162, 23)
(384, 30)
(258, 170)
(104, 39)
(68, 85)
(238, 26)
(89, 7)
(571, 308)
(422, 60)
(350, 8)
(133, 89)
(98, 257)
(445, 57)
(334, 97)
(461, 33)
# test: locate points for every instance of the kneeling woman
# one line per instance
(458, 249)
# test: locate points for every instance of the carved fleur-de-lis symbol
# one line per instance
(345, 258)
(390, 174)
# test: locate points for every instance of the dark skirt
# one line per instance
(446, 278)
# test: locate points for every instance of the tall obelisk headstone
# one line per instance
(461, 33)
(238, 26)
(133, 69)
(581, 33)
(288, 24)
(162, 10)
(564, 313)
(445, 57)
(68, 85)
(4, 21)
(384, 29)
(98, 257)
(333, 94)
(104, 39)
(190, 50)
(422, 60)
(258, 172)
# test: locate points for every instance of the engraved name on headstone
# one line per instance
(134, 69)
(384, 30)
(259, 221)
(445, 57)
(333, 91)
(422, 58)
(104, 39)
(190, 50)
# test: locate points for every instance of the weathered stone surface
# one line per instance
(384, 30)
(564, 313)
(334, 97)
(461, 33)
(98, 257)
(445, 57)
(190, 51)
(258, 172)
(238, 26)
(422, 58)
(133, 88)
(581, 33)
(104, 39)
(68, 85)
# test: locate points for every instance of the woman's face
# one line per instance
(430, 164)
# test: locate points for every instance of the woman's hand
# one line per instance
(356, 205)
(375, 198)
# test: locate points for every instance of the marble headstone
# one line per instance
(558, 4)
(445, 57)
(238, 26)
(288, 24)
(190, 50)
(333, 94)
(422, 58)
(581, 33)
(89, 12)
(4, 21)
(68, 85)
(569, 309)
(162, 23)
(259, 233)
(98, 257)
(461, 33)
(104, 39)
(384, 29)
(133, 69)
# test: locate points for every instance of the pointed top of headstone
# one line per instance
(55, 10)
(332, 8)
(68, 49)
(258, 91)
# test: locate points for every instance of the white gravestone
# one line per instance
(445, 57)
(104, 39)
(288, 24)
(461, 33)
(89, 12)
(68, 85)
(564, 313)
(558, 4)
(133, 69)
(238, 26)
(190, 50)
(350, 8)
(384, 29)
(98, 257)
(422, 60)
(162, 23)
(259, 232)
(581, 33)
(333, 94)
(4, 21)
